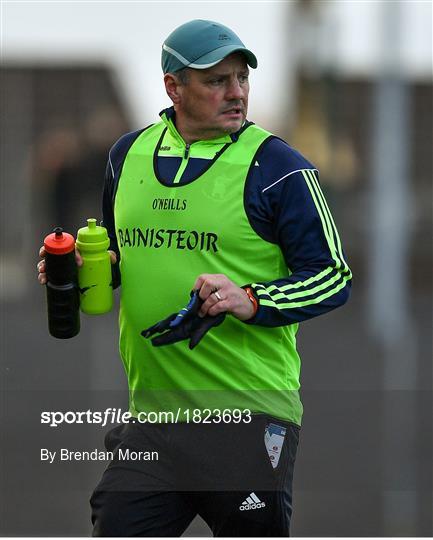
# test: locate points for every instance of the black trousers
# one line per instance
(222, 472)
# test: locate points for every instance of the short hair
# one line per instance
(182, 75)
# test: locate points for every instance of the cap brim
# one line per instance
(211, 59)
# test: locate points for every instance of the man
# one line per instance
(205, 200)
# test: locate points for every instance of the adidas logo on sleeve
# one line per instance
(252, 502)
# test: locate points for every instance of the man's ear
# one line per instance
(172, 86)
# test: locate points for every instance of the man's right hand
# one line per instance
(42, 276)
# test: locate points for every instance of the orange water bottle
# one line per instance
(63, 297)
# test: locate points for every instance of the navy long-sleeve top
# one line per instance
(285, 206)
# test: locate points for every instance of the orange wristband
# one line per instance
(252, 298)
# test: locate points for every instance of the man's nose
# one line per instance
(234, 89)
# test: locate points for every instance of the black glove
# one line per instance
(186, 324)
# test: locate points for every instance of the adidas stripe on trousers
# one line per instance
(222, 472)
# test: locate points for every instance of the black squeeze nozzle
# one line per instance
(58, 231)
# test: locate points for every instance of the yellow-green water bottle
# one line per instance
(94, 277)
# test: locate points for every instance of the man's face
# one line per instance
(214, 101)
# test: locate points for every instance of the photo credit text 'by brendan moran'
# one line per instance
(123, 454)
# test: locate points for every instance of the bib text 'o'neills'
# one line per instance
(168, 238)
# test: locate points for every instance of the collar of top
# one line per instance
(168, 116)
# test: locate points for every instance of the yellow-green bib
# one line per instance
(167, 236)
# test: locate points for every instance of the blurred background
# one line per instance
(349, 84)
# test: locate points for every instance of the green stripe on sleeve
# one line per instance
(328, 212)
(310, 302)
(268, 296)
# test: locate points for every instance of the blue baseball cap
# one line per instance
(201, 44)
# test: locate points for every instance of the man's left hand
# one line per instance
(219, 294)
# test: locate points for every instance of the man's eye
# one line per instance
(243, 78)
(216, 81)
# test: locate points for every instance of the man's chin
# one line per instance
(231, 126)
(226, 127)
